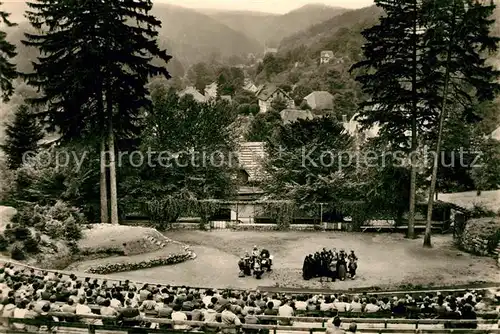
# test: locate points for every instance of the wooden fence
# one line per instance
(111, 324)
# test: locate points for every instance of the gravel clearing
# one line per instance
(386, 260)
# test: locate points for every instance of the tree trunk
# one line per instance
(112, 159)
(442, 117)
(104, 184)
(414, 139)
(112, 177)
(413, 191)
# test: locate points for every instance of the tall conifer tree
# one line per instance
(392, 76)
(96, 59)
(459, 41)
(22, 137)
(7, 53)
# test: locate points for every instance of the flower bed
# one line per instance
(126, 266)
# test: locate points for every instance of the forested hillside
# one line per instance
(270, 29)
(334, 33)
(189, 36)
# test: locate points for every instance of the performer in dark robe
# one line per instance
(307, 268)
(341, 261)
(248, 265)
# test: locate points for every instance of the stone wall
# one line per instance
(481, 237)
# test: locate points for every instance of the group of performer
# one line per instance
(330, 264)
(254, 263)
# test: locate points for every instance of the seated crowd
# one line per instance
(29, 294)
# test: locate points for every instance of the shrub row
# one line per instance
(126, 266)
(22, 241)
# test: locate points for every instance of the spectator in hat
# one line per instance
(353, 327)
(251, 319)
(210, 314)
(335, 329)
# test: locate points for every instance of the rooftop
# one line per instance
(292, 115)
(265, 92)
(250, 156)
(193, 92)
(322, 100)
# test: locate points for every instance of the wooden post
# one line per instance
(91, 329)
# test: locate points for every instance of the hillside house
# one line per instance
(292, 115)
(227, 98)
(320, 100)
(326, 57)
(496, 134)
(211, 91)
(270, 51)
(249, 86)
(197, 96)
(268, 93)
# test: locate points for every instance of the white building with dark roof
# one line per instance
(320, 100)
(268, 93)
(326, 56)
(197, 96)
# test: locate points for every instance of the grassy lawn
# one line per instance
(386, 260)
(487, 199)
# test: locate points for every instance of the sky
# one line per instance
(270, 6)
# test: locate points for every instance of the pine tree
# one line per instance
(7, 52)
(392, 76)
(458, 38)
(22, 137)
(96, 59)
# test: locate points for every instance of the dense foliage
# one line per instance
(7, 53)
(191, 149)
(22, 137)
(310, 162)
